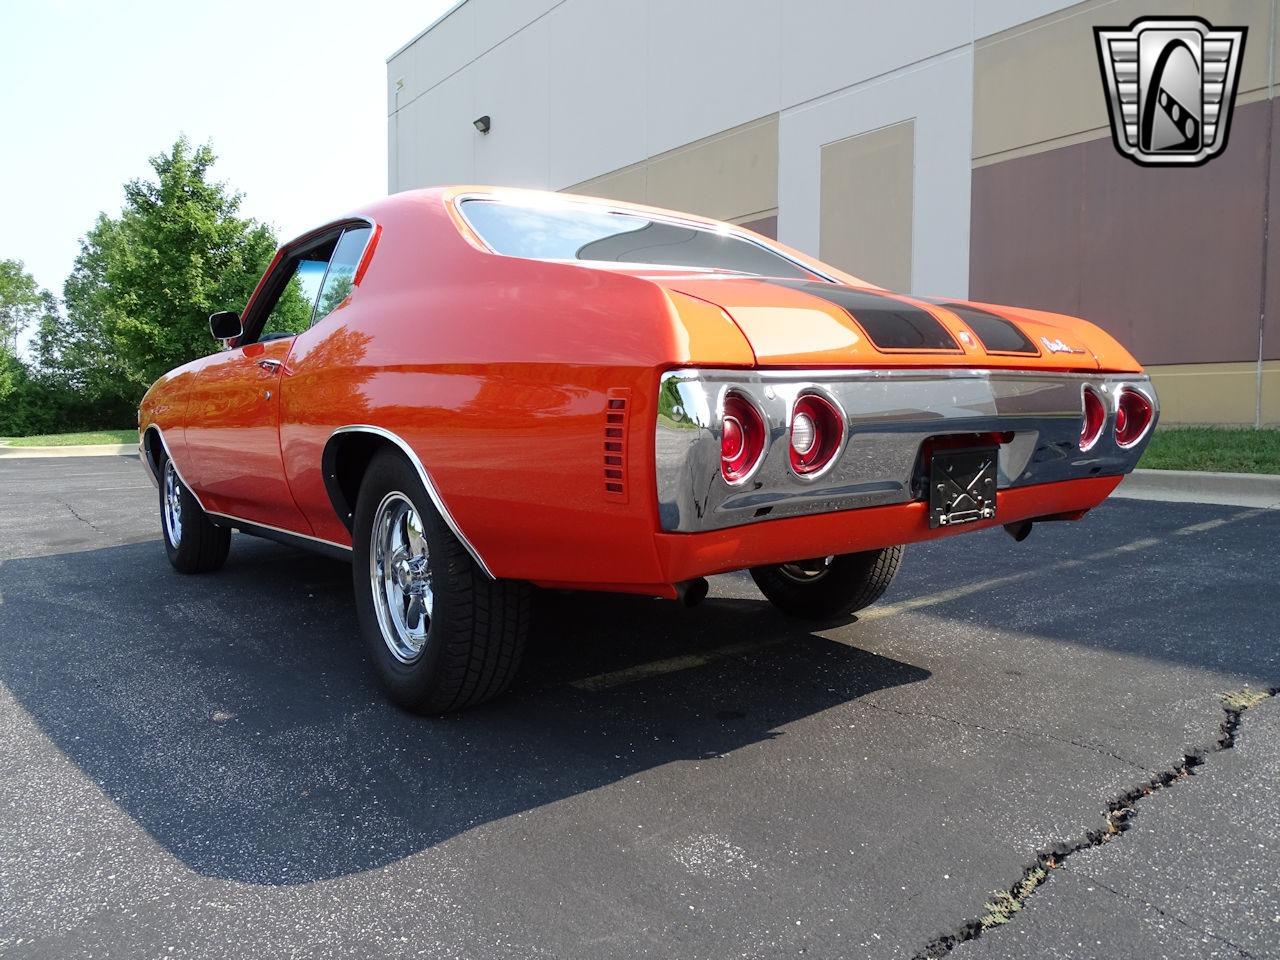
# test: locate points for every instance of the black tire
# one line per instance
(476, 631)
(194, 543)
(813, 590)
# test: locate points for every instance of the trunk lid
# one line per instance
(797, 323)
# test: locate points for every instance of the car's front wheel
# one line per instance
(442, 634)
(194, 543)
(828, 587)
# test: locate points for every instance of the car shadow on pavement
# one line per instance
(235, 718)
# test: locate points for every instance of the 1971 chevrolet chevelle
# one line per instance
(469, 391)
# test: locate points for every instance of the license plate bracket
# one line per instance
(962, 485)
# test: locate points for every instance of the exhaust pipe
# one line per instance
(1019, 531)
(692, 592)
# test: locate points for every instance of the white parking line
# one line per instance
(1220, 522)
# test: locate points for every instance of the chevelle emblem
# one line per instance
(1057, 346)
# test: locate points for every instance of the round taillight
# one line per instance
(1095, 416)
(1133, 416)
(742, 435)
(817, 430)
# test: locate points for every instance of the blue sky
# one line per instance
(293, 96)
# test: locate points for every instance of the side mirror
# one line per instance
(225, 325)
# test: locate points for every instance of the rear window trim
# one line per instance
(459, 203)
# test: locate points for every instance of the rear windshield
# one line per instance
(579, 231)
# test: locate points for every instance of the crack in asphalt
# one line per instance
(1121, 895)
(1120, 811)
(72, 510)
(1024, 735)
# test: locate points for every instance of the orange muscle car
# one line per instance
(470, 391)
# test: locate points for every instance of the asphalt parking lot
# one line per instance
(204, 766)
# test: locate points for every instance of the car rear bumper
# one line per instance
(888, 415)
(686, 556)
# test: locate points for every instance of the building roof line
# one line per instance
(427, 29)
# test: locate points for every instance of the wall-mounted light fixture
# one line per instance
(482, 123)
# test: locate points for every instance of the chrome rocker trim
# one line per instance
(888, 415)
(264, 531)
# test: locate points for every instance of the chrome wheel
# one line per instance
(400, 577)
(806, 571)
(172, 504)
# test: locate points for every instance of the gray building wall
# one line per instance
(946, 147)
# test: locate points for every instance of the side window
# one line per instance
(292, 310)
(342, 271)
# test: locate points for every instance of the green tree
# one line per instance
(143, 286)
(22, 303)
(336, 292)
(292, 312)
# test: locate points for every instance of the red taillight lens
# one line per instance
(817, 430)
(1133, 416)
(1095, 415)
(741, 438)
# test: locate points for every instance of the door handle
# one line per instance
(270, 365)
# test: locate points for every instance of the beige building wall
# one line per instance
(1216, 393)
(729, 176)
(867, 204)
(1270, 394)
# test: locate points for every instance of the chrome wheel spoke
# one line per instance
(172, 509)
(400, 576)
(415, 541)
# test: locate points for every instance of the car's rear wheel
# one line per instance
(194, 543)
(828, 587)
(442, 634)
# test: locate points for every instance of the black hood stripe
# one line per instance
(889, 323)
(998, 334)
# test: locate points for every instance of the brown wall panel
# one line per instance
(767, 226)
(1169, 260)
(1024, 231)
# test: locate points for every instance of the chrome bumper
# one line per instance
(888, 415)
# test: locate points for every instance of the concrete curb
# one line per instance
(84, 450)
(1194, 486)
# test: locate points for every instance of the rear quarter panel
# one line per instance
(497, 371)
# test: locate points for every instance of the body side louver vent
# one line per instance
(615, 444)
